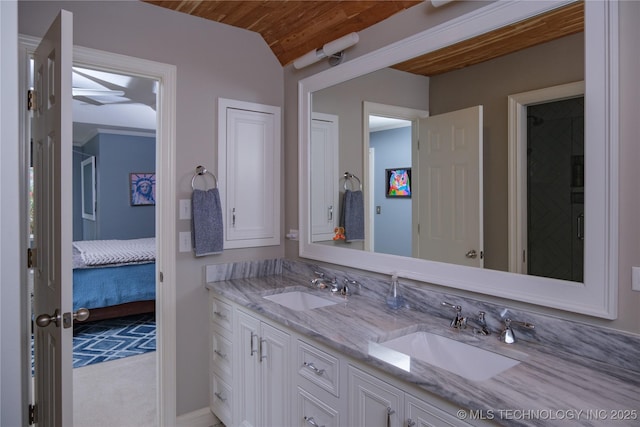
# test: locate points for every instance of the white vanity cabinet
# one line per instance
(374, 402)
(221, 359)
(318, 388)
(262, 380)
(265, 374)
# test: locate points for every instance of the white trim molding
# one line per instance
(166, 75)
(598, 295)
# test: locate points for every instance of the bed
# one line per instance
(114, 278)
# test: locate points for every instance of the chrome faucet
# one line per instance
(507, 336)
(481, 323)
(351, 287)
(322, 282)
(348, 288)
(458, 322)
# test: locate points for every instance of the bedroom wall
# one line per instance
(213, 60)
(116, 157)
(392, 226)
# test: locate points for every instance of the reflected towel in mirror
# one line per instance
(352, 215)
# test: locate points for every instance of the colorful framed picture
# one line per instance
(398, 182)
(142, 187)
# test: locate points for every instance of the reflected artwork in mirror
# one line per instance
(512, 204)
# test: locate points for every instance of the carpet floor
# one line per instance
(113, 339)
(119, 393)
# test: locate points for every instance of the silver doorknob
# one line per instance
(81, 315)
(44, 319)
(471, 254)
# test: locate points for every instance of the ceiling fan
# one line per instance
(96, 91)
(77, 91)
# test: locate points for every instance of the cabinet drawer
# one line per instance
(221, 355)
(221, 314)
(313, 412)
(319, 367)
(220, 399)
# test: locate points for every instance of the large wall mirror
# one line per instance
(517, 96)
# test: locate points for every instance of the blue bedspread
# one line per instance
(102, 287)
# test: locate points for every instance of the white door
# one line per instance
(450, 181)
(52, 140)
(324, 176)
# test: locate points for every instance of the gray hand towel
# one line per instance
(206, 223)
(352, 215)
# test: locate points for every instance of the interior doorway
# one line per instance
(546, 182)
(164, 76)
(114, 142)
(555, 189)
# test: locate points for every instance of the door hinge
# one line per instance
(31, 257)
(31, 100)
(33, 414)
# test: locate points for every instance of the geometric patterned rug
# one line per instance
(113, 339)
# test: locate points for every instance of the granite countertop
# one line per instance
(549, 386)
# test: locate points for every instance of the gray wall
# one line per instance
(425, 16)
(392, 226)
(13, 329)
(213, 60)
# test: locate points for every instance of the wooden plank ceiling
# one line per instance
(293, 28)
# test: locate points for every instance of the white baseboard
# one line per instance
(198, 418)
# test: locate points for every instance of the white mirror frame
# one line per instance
(598, 295)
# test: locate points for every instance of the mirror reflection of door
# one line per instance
(555, 189)
(324, 176)
(450, 206)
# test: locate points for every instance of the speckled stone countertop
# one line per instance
(550, 386)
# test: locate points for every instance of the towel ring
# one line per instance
(201, 170)
(347, 178)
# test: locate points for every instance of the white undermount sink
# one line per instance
(468, 361)
(300, 301)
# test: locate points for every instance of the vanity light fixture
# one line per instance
(333, 50)
(438, 3)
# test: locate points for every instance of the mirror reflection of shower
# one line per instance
(555, 189)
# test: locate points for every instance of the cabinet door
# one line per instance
(419, 413)
(373, 403)
(249, 173)
(246, 374)
(275, 376)
(324, 176)
(313, 412)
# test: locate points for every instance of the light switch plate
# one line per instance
(185, 209)
(635, 278)
(185, 241)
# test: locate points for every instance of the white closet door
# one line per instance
(249, 173)
(324, 176)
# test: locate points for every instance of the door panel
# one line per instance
(450, 166)
(52, 134)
